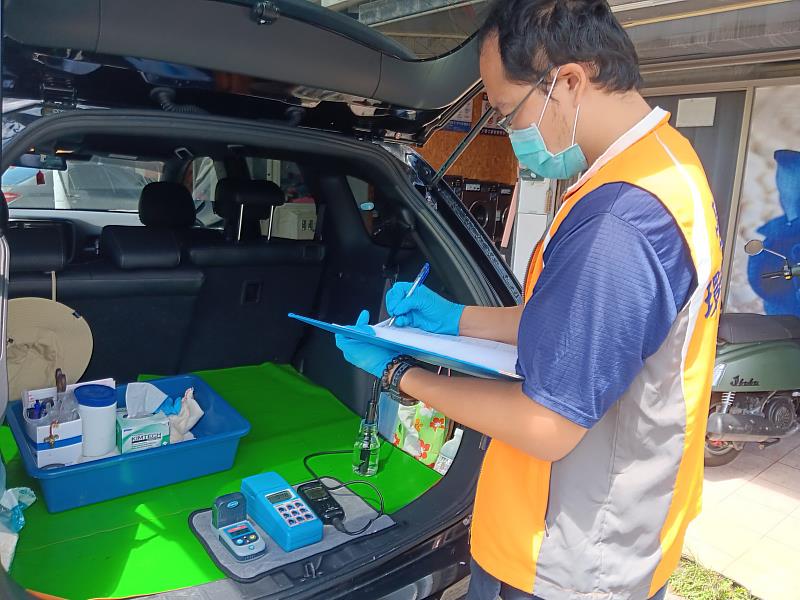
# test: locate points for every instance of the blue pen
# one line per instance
(426, 268)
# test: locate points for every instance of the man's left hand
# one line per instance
(368, 357)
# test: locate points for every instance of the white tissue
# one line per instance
(180, 424)
(142, 399)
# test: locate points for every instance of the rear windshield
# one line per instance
(101, 184)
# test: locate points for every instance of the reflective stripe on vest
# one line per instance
(608, 520)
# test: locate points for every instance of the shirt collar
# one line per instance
(625, 141)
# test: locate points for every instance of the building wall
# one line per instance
(488, 158)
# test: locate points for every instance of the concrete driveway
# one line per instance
(749, 529)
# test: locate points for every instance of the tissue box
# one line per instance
(142, 433)
(62, 445)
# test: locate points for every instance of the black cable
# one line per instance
(166, 98)
(371, 419)
(336, 522)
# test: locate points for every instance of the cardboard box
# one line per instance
(293, 222)
(54, 444)
(142, 433)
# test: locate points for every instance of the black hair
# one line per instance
(537, 35)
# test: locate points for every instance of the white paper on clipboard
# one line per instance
(473, 356)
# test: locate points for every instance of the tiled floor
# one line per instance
(750, 526)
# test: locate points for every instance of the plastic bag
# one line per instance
(188, 415)
(420, 431)
(12, 503)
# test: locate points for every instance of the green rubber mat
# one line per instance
(141, 544)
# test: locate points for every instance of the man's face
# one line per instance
(505, 96)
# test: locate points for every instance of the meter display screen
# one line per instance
(279, 496)
(238, 530)
(315, 493)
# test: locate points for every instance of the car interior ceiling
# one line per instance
(166, 296)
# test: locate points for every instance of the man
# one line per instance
(595, 465)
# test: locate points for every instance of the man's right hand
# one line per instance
(425, 309)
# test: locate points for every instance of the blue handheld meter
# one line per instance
(275, 506)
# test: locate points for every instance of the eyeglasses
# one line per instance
(504, 123)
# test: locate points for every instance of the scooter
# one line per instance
(755, 394)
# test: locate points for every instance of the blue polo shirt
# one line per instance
(616, 274)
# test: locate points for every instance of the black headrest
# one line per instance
(36, 247)
(3, 212)
(256, 196)
(140, 247)
(166, 204)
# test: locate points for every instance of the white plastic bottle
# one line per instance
(448, 452)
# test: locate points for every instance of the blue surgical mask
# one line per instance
(532, 152)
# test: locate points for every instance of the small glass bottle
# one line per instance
(366, 449)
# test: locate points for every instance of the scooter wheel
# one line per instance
(716, 456)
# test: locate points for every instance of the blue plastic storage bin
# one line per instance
(214, 448)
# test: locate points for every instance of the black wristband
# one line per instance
(394, 385)
(385, 382)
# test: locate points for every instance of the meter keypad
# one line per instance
(294, 512)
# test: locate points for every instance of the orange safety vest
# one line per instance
(608, 520)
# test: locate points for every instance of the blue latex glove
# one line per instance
(425, 309)
(170, 406)
(368, 357)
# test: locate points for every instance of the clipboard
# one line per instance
(472, 356)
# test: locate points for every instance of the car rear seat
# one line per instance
(225, 304)
(142, 302)
(138, 303)
(250, 286)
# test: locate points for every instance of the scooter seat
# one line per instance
(746, 328)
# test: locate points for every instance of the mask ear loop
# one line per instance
(575, 126)
(549, 93)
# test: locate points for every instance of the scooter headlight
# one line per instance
(718, 372)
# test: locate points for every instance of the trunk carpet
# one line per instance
(141, 544)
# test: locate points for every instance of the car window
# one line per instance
(86, 178)
(123, 181)
(102, 184)
(297, 219)
(22, 182)
(201, 179)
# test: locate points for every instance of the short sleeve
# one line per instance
(602, 305)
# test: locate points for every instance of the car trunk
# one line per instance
(323, 103)
(222, 315)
